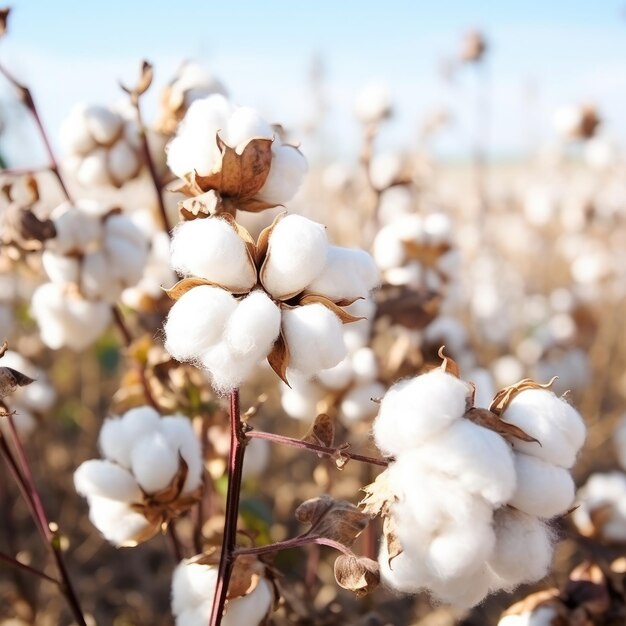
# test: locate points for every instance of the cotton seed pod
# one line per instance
(416, 409)
(211, 249)
(557, 426)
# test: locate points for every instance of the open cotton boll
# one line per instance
(94, 169)
(541, 616)
(74, 134)
(300, 401)
(75, 229)
(297, 253)
(257, 457)
(197, 321)
(542, 489)
(364, 364)
(414, 410)
(227, 369)
(358, 403)
(117, 522)
(480, 459)
(106, 479)
(314, 337)
(192, 584)
(251, 609)
(96, 276)
(103, 124)
(557, 426)
(211, 249)
(243, 125)
(388, 251)
(348, 274)
(59, 268)
(338, 377)
(523, 550)
(127, 260)
(437, 228)
(253, 327)
(123, 162)
(285, 176)
(154, 463)
(406, 572)
(179, 434)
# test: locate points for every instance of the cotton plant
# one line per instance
(373, 103)
(94, 255)
(150, 474)
(279, 298)
(470, 492)
(101, 146)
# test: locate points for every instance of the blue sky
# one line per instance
(562, 51)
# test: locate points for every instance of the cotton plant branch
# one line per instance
(295, 542)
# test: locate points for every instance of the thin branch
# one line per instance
(27, 568)
(175, 542)
(296, 542)
(313, 447)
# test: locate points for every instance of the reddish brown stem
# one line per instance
(175, 542)
(235, 470)
(27, 568)
(313, 447)
(295, 542)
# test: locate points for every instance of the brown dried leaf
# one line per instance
(278, 358)
(487, 419)
(379, 496)
(361, 575)
(342, 314)
(145, 78)
(246, 575)
(32, 228)
(11, 379)
(242, 170)
(200, 206)
(322, 431)
(448, 365)
(505, 396)
(334, 519)
(409, 308)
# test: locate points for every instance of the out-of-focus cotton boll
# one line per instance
(566, 120)
(600, 153)
(315, 338)
(556, 425)
(211, 249)
(364, 364)
(485, 389)
(68, 320)
(373, 103)
(107, 480)
(197, 320)
(338, 377)
(592, 267)
(359, 403)
(77, 228)
(300, 401)
(60, 269)
(347, 274)
(385, 169)
(117, 521)
(356, 334)
(506, 371)
(523, 550)
(257, 458)
(541, 616)
(540, 204)
(389, 250)
(437, 228)
(447, 331)
(394, 202)
(542, 489)
(297, 253)
(416, 409)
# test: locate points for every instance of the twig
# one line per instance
(27, 568)
(28, 101)
(296, 542)
(305, 445)
(175, 542)
(238, 443)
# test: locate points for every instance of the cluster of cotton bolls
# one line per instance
(101, 147)
(94, 256)
(416, 251)
(231, 323)
(31, 401)
(193, 589)
(142, 462)
(470, 512)
(195, 149)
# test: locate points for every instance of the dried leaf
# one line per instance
(379, 496)
(334, 519)
(342, 314)
(361, 575)
(11, 379)
(200, 206)
(322, 431)
(32, 228)
(145, 78)
(246, 575)
(487, 419)
(449, 365)
(278, 358)
(505, 396)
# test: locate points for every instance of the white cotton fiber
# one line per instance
(314, 338)
(301, 400)
(243, 125)
(123, 162)
(59, 268)
(348, 274)
(253, 327)
(114, 442)
(557, 426)
(96, 278)
(541, 616)
(181, 438)
(297, 253)
(523, 550)
(103, 124)
(117, 522)
(338, 377)
(466, 591)
(358, 403)
(106, 479)
(414, 410)
(250, 609)
(542, 489)
(192, 584)
(211, 249)
(285, 176)
(76, 230)
(364, 364)
(228, 370)
(94, 169)
(197, 321)
(74, 135)
(389, 250)
(153, 462)
(406, 572)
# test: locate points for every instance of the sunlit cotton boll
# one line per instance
(193, 589)
(77, 227)
(414, 410)
(301, 399)
(360, 402)
(373, 103)
(227, 368)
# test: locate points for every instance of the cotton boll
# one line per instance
(104, 125)
(74, 135)
(245, 124)
(388, 250)
(416, 409)
(338, 377)
(297, 253)
(314, 337)
(153, 462)
(192, 584)
(123, 162)
(227, 369)
(394, 202)
(523, 550)
(114, 443)
(210, 248)
(542, 489)
(347, 275)
(405, 573)
(358, 403)
(301, 400)
(285, 176)
(557, 426)
(257, 458)
(126, 261)
(106, 479)
(117, 522)
(251, 609)
(466, 591)
(94, 169)
(364, 364)
(541, 616)
(373, 103)
(448, 331)
(253, 327)
(60, 269)
(96, 279)
(179, 434)
(197, 321)
(485, 389)
(75, 229)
